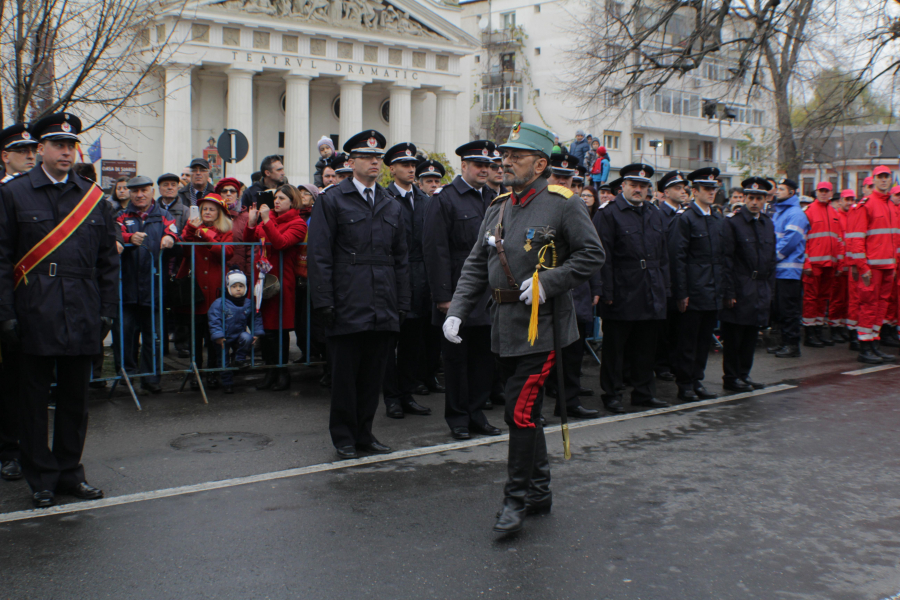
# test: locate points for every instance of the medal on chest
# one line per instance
(529, 235)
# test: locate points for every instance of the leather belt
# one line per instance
(642, 263)
(505, 296)
(365, 259)
(53, 269)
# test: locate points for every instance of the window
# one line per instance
(144, 37)
(735, 154)
(386, 111)
(508, 20)
(667, 148)
(614, 9)
(809, 184)
(757, 118)
(537, 51)
(537, 8)
(707, 150)
(477, 58)
(845, 181)
(537, 93)
(501, 99)
(638, 142)
(611, 139)
(160, 34)
(874, 148)
(613, 97)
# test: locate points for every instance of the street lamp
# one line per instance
(655, 144)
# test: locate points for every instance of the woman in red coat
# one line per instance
(213, 226)
(281, 229)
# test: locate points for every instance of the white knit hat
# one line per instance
(236, 277)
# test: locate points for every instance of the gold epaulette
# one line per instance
(500, 197)
(561, 190)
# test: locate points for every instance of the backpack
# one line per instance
(598, 166)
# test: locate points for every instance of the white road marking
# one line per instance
(345, 464)
(870, 370)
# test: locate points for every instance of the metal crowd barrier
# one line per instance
(158, 318)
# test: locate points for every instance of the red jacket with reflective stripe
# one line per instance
(825, 241)
(843, 215)
(872, 234)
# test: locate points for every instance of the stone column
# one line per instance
(400, 115)
(177, 132)
(240, 117)
(351, 109)
(444, 138)
(296, 129)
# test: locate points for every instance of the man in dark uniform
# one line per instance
(562, 169)
(696, 263)
(750, 261)
(54, 293)
(359, 281)
(635, 283)
(495, 177)
(18, 156)
(407, 350)
(428, 175)
(538, 222)
(671, 185)
(451, 229)
(578, 179)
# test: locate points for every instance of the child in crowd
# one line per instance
(326, 151)
(230, 331)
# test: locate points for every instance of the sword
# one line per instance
(560, 379)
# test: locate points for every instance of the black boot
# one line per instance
(519, 465)
(889, 337)
(853, 339)
(539, 498)
(269, 380)
(789, 351)
(824, 334)
(876, 348)
(839, 335)
(282, 381)
(811, 338)
(867, 356)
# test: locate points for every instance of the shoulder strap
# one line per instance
(501, 252)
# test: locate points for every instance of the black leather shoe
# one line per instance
(486, 429)
(83, 491)
(422, 390)
(703, 393)
(11, 470)
(435, 386)
(754, 384)
(411, 407)
(585, 392)
(268, 381)
(811, 338)
(790, 351)
(282, 381)
(666, 376)
(460, 433)
(774, 349)
(867, 354)
(736, 386)
(579, 412)
(614, 406)
(395, 411)
(687, 396)
(375, 447)
(43, 499)
(488, 405)
(345, 452)
(876, 348)
(509, 520)
(651, 403)
(228, 389)
(153, 388)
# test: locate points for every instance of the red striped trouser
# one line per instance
(837, 306)
(525, 377)
(816, 294)
(873, 301)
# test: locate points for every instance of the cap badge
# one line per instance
(26, 135)
(484, 152)
(431, 168)
(755, 186)
(514, 134)
(66, 127)
(372, 142)
(642, 174)
(408, 153)
(565, 164)
(496, 153)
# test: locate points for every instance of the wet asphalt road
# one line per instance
(789, 495)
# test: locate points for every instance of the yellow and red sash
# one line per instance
(60, 234)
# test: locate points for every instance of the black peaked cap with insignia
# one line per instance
(339, 163)
(756, 185)
(16, 136)
(563, 163)
(615, 186)
(640, 172)
(670, 178)
(402, 152)
(366, 142)
(59, 126)
(477, 151)
(430, 168)
(705, 177)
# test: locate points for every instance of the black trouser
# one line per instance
(666, 342)
(468, 375)
(433, 340)
(357, 368)
(572, 359)
(525, 377)
(405, 356)
(631, 343)
(138, 326)
(739, 342)
(270, 347)
(9, 402)
(788, 309)
(695, 330)
(59, 468)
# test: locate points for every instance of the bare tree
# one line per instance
(93, 54)
(744, 45)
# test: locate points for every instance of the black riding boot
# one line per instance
(520, 465)
(539, 498)
(867, 354)
(876, 348)
(824, 334)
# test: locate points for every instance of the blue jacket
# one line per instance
(238, 319)
(579, 149)
(791, 227)
(137, 261)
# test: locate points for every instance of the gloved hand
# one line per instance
(325, 316)
(106, 322)
(527, 292)
(402, 316)
(451, 329)
(9, 332)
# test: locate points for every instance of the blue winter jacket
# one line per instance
(137, 261)
(238, 319)
(791, 227)
(579, 149)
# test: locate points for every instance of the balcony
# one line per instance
(496, 79)
(502, 38)
(682, 163)
(503, 118)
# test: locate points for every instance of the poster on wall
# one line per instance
(110, 170)
(211, 154)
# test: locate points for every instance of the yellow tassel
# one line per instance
(535, 305)
(566, 450)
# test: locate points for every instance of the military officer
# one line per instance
(578, 178)
(562, 169)
(534, 225)
(428, 175)
(671, 185)
(342, 169)
(451, 229)
(17, 151)
(54, 293)
(749, 283)
(615, 187)
(359, 281)
(495, 177)
(635, 283)
(407, 352)
(696, 262)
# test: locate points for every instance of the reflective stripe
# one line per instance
(820, 258)
(779, 234)
(885, 231)
(881, 261)
(780, 256)
(858, 234)
(788, 265)
(858, 255)
(841, 256)
(797, 229)
(822, 234)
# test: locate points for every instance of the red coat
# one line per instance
(241, 253)
(825, 240)
(208, 261)
(872, 241)
(283, 233)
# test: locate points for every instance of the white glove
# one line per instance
(451, 329)
(527, 292)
